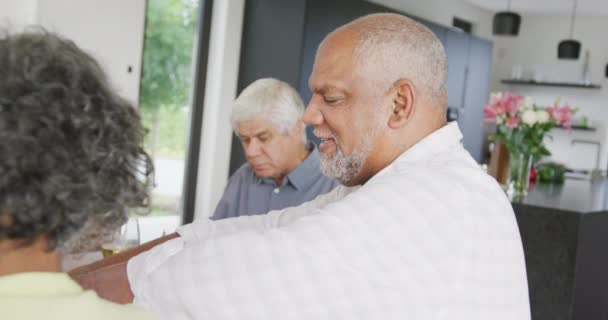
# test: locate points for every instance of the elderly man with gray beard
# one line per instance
(418, 231)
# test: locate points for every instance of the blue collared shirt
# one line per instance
(247, 194)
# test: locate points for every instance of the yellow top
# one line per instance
(55, 296)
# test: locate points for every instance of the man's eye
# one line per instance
(332, 100)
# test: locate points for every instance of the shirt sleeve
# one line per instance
(203, 230)
(245, 264)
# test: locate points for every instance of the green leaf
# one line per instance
(168, 47)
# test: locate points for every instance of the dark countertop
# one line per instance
(580, 196)
(563, 231)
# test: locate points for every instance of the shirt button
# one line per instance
(276, 190)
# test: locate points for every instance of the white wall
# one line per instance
(536, 49)
(110, 30)
(17, 14)
(444, 11)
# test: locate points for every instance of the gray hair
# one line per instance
(395, 47)
(71, 151)
(271, 98)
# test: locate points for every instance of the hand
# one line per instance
(108, 277)
(110, 283)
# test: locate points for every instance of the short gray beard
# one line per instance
(346, 168)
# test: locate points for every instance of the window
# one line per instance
(165, 105)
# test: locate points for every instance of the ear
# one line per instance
(404, 103)
(299, 127)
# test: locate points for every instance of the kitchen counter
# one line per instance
(580, 196)
(564, 230)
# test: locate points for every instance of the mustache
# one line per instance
(319, 134)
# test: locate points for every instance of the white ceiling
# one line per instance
(551, 7)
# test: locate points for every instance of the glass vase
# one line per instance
(519, 173)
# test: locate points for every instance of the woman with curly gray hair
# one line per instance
(71, 164)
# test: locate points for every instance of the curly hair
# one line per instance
(71, 155)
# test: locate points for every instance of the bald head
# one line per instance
(378, 87)
(389, 47)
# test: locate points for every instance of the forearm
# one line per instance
(108, 277)
(110, 283)
(121, 257)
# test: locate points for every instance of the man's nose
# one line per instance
(312, 115)
(252, 149)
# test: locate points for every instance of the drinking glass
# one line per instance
(127, 237)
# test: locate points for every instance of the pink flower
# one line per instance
(489, 114)
(562, 116)
(566, 117)
(512, 122)
(500, 108)
(512, 103)
(506, 104)
(497, 104)
(554, 112)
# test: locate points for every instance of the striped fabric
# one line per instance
(429, 237)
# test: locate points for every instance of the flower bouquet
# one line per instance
(521, 126)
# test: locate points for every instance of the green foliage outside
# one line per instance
(166, 81)
(167, 131)
(166, 75)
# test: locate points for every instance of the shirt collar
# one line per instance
(442, 139)
(307, 172)
(37, 284)
(304, 175)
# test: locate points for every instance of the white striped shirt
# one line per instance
(431, 236)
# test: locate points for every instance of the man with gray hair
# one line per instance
(282, 169)
(417, 231)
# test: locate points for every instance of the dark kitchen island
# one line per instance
(564, 229)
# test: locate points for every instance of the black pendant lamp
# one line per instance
(569, 48)
(506, 23)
